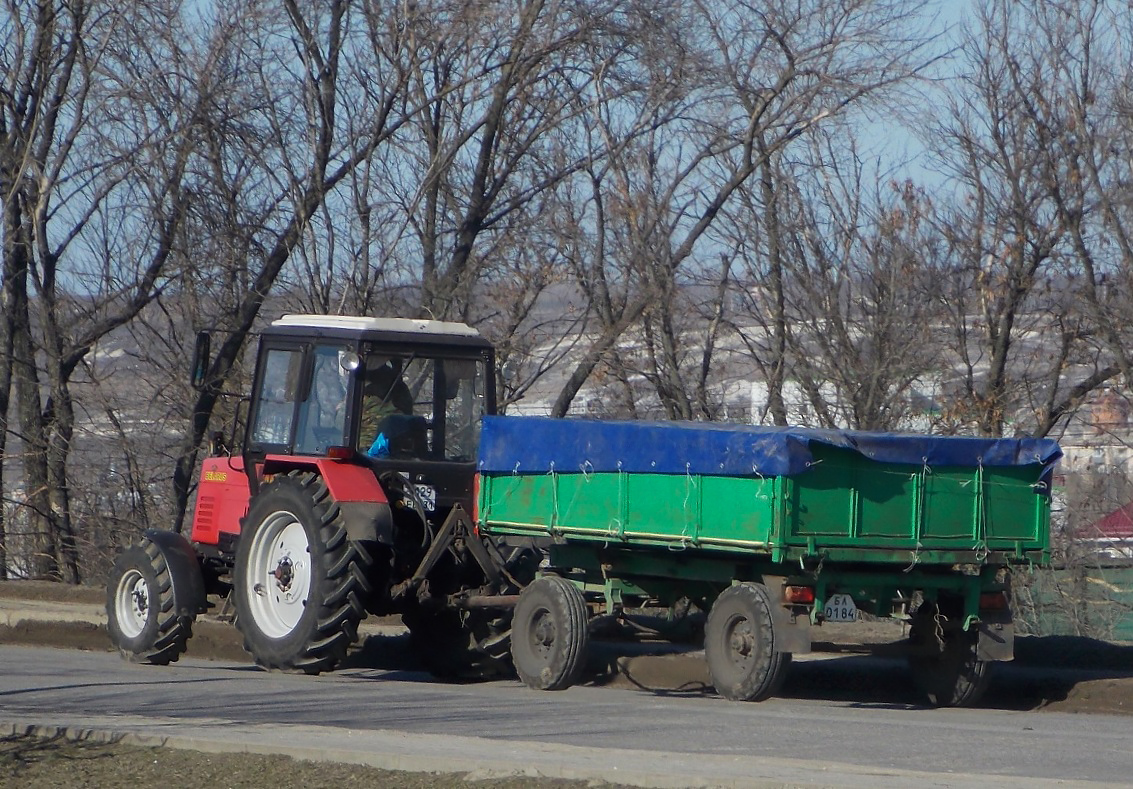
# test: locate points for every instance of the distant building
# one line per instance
(1113, 534)
(1110, 412)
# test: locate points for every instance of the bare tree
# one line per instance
(863, 297)
(749, 79)
(1025, 237)
(89, 225)
(289, 130)
(1073, 66)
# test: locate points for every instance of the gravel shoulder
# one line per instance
(55, 760)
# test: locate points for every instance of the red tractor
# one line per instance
(352, 493)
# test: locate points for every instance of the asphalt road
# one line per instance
(403, 720)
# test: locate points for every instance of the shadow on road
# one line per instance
(1054, 672)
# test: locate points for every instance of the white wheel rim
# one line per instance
(279, 574)
(131, 603)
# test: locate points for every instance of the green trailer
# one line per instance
(773, 531)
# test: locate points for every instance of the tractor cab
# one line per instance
(397, 395)
(386, 411)
(388, 388)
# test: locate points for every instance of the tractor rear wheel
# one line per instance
(143, 617)
(299, 582)
(739, 644)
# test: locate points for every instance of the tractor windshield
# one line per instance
(421, 407)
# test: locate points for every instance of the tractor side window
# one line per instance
(322, 416)
(275, 402)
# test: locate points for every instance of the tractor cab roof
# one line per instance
(403, 330)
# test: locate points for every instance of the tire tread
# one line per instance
(343, 585)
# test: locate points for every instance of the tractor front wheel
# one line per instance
(143, 617)
(299, 582)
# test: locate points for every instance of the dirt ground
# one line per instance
(36, 762)
(1052, 673)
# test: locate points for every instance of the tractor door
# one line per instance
(299, 404)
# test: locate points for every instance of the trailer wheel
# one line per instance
(143, 617)
(299, 582)
(739, 641)
(949, 674)
(549, 634)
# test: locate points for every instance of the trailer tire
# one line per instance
(739, 644)
(299, 582)
(954, 676)
(549, 635)
(148, 615)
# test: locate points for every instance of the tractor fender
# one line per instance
(368, 520)
(184, 571)
(360, 497)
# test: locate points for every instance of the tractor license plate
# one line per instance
(840, 608)
(428, 496)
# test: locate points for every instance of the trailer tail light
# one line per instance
(798, 595)
(476, 500)
(993, 601)
(340, 453)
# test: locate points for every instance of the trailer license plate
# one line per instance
(840, 608)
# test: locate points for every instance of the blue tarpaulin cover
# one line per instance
(522, 444)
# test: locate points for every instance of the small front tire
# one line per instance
(143, 617)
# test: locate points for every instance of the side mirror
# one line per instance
(201, 354)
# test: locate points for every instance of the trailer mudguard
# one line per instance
(996, 636)
(184, 571)
(792, 629)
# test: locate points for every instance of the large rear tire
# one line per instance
(739, 644)
(143, 617)
(299, 582)
(549, 635)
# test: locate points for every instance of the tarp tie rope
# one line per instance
(554, 497)
(689, 518)
(916, 557)
(981, 547)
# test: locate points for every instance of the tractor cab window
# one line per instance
(275, 400)
(422, 407)
(322, 416)
(464, 397)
